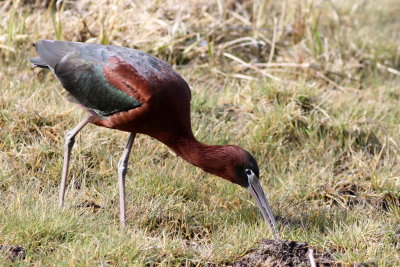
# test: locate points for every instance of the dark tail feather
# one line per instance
(38, 62)
(52, 52)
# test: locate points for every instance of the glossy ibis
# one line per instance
(132, 91)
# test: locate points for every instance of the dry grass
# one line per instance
(310, 87)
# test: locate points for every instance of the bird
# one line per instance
(132, 91)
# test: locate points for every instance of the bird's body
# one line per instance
(129, 90)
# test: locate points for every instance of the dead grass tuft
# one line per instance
(351, 195)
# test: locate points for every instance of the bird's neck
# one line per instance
(213, 159)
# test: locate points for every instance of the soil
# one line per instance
(284, 253)
(12, 252)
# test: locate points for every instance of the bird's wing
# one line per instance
(97, 79)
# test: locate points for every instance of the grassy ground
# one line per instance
(311, 88)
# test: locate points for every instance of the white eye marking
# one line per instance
(250, 176)
(249, 172)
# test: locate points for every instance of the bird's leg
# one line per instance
(122, 169)
(69, 143)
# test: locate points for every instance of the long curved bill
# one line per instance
(257, 192)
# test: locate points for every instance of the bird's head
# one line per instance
(243, 170)
(236, 165)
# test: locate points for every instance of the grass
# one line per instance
(310, 88)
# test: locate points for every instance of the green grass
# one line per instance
(326, 137)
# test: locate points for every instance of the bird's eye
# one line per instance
(248, 171)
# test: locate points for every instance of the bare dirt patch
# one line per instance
(284, 253)
(12, 252)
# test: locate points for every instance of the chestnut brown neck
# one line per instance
(213, 159)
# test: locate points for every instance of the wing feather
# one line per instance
(80, 69)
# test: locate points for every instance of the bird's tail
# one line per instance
(38, 62)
